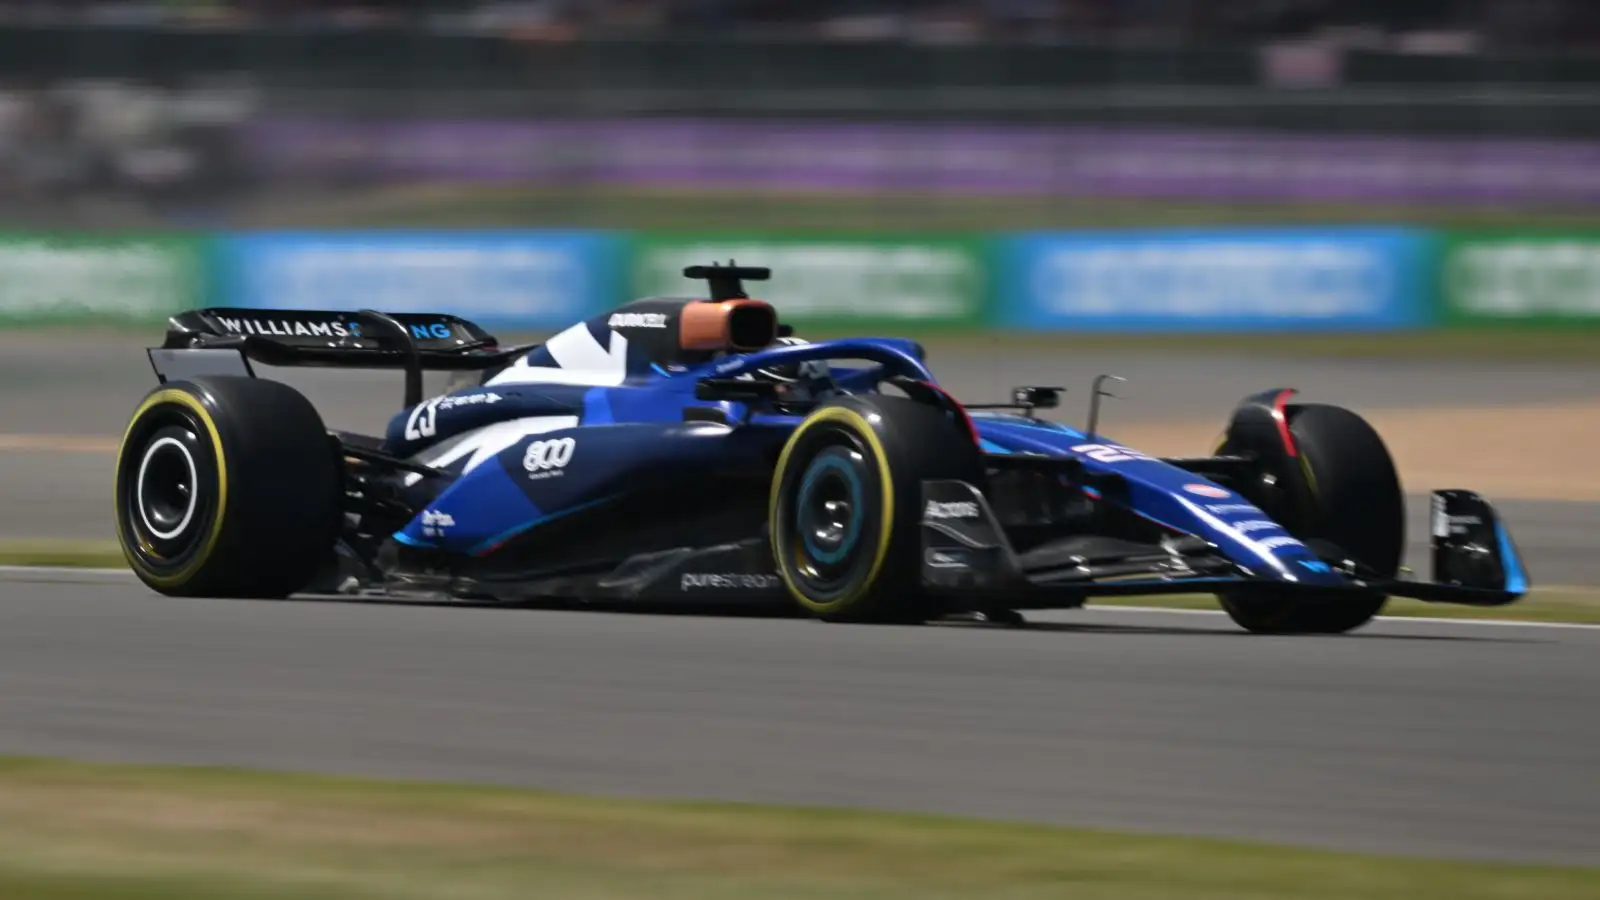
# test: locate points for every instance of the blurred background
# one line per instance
(909, 149)
(1041, 190)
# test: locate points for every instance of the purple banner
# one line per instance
(964, 159)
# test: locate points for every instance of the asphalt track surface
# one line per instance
(1417, 738)
(1452, 740)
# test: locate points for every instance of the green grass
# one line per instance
(67, 553)
(70, 830)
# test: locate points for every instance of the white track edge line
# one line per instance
(1420, 620)
(1157, 610)
(56, 570)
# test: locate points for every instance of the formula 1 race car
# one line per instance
(676, 450)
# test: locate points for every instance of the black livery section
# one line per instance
(366, 339)
(1473, 554)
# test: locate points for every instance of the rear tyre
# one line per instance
(227, 487)
(1356, 504)
(846, 505)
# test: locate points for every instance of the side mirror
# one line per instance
(1033, 397)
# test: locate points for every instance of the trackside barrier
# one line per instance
(1316, 279)
(882, 281)
(500, 279)
(1531, 278)
(1158, 280)
(98, 280)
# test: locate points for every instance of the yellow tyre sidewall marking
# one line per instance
(858, 423)
(191, 403)
(1311, 477)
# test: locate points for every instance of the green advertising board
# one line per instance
(831, 280)
(1528, 278)
(98, 279)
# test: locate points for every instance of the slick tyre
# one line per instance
(1356, 504)
(227, 487)
(846, 505)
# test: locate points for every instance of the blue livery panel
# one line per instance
(1172, 497)
(439, 419)
(556, 473)
(587, 418)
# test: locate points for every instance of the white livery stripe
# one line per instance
(483, 443)
(580, 359)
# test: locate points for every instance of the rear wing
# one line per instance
(224, 340)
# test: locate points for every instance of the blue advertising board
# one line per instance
(1281, 279)
(500, 279)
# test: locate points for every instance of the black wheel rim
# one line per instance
(164, 489)
(167, 488)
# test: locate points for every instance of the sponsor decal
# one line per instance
(1109, 453)
(1226, 508)
(424, 419)
(637, 320)
(727, 581)
(960, 509)
(1206, 490)
(1273, 543)
(434, 523)
(1315, 565)
(1446, 525)
(546, 459)
(437, 331)
(944, 559)
(287, 328)
(467, 400)
(1249, 525)
(485, 443)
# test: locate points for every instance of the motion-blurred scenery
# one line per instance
(1333, 165)
(1392, 205)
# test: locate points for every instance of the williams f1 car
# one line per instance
(675, 450)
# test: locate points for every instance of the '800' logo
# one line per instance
(546, 459)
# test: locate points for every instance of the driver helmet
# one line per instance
(808, 371)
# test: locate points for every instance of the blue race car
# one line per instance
(677, 450)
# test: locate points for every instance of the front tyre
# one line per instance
(1356, 503)
(845, 510)
(227, 487)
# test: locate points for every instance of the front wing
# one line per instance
(966, 554)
